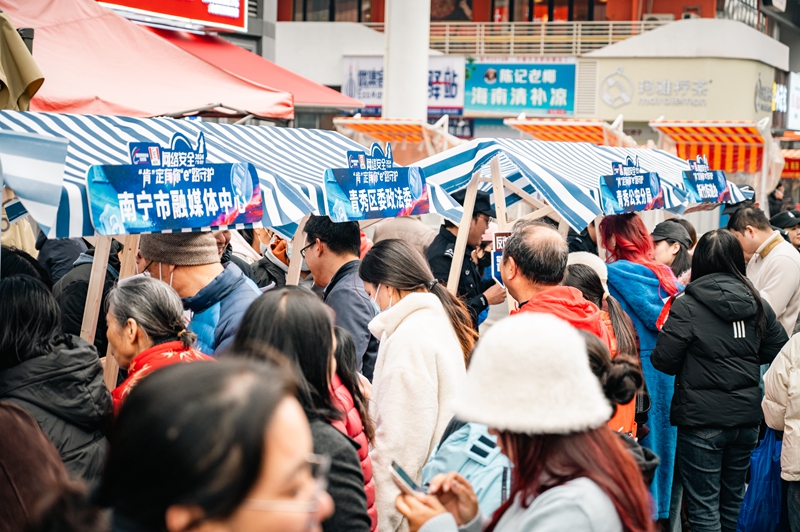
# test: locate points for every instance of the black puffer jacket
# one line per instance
(710, 344)
(65, 393)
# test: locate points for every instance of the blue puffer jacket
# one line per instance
(640, 294)
(218, 308)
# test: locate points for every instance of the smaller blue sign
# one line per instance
(629, 189)
(498, 244)
(372, 187)
(704, 185)
(171, 189)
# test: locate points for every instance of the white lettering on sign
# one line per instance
(499, 238)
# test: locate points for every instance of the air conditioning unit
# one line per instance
(658, 17)
(689, 14)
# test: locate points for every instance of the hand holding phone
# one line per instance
(404, 481)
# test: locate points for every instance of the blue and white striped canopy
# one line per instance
(290, 162)
(566, 174)
(33, 167)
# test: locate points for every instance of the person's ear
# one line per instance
(318, 248)
(131, 330)
(675, 248)
(179, 518)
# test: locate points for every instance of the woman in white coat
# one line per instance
(426, 340)
(781, 407)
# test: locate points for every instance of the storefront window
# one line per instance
(366, 10)
(501, 10)
(558, 10)
(318, 10)
(346, 10)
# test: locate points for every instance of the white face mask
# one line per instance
(375, 301)
(303, 266)
(160, 278)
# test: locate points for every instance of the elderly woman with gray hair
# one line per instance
(146, 331)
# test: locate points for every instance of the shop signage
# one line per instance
(172, 189)
(793, 102)
(704, 185)
(373, 187)
(630, 189)
(363, 80)
(222, 14)
(537, 86)
(498, 244)
(618, 90)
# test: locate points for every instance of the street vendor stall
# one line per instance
(593, 131)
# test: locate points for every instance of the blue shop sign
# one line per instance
(373, 187)
(538, 87)
(629, 189)
(704, 185)
(172, 189)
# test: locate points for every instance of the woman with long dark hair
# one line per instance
(671, 245)
(56, 377)
(531, 382)
(426, 339)
(624, 348)
(294, 322)
(642, 285)
(351, 401)
(717, 336)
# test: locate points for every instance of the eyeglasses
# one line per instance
(320, 465)
(485, 218)
(303, 251)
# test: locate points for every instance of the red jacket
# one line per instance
(352, 427)
(569, 304)
(151, 359)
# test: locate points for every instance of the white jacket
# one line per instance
(419, 370)
(777, 277)
(781, 405)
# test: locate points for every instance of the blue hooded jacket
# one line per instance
(218, 309)
(640, 294)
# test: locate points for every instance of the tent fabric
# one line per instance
(791, 166)
(560, 130)
(731, 146)
(33, 167)
(97, 62)
(20, 76)
(566, 174)
(253, 68)
(290, 162)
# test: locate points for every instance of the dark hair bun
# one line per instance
(622, 382)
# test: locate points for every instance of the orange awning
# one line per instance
(565, 130)
(386, 130)
(731, 146)
(791, 166)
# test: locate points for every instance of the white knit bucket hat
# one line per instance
(530, 374)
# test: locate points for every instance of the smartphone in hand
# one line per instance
(404, 481)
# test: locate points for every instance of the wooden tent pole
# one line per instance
(502, 217)
(463, 232)
(296, 261)
(127, 269)
(94, 295)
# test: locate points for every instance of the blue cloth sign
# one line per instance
(372, 187)
(704, 185)
(172, 189)
(629, 189)
(498, 244)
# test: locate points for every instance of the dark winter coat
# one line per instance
(709, 343)
(65, 393)
(56, 255)
(70, 293)
(345, 480)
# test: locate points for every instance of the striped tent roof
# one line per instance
(731, 146)
(566, 174)
(290, 162)
(593, 131)
(791, 165)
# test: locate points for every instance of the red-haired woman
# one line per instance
(642, 285)
(531, 382)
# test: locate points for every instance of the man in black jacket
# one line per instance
(476, 293)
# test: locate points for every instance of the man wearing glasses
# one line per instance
(332, 253)
(476, 293)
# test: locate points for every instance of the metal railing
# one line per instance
(530, 38)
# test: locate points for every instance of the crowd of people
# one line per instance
(625, 392)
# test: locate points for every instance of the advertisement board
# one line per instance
(630, 189)
(363, 80)
(220, 14)
(373, 187)
(498, 244)
(704, 185)
(508, 86)
(172, 189)
(793, 111)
